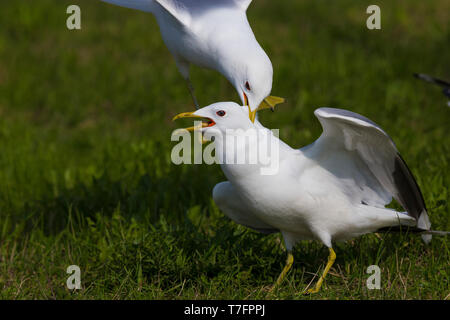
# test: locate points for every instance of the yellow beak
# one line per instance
(270, 102)
(251, 114)
(190, 115)
(198, 127)
(186, 115)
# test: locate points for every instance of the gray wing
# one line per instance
(199, 5)
(182, 10)
(243, 4)
(191, 9)
(142, 5)
(363, 138)
(176, 8)
(186, 11)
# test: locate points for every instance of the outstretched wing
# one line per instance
(243, 4)
(363, 138)
(199, 5)
(176, 8)
(182, 10)
(143, 5)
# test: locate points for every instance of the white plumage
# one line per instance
(214, 34)
(333, 189)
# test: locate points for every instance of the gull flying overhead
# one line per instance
(333, 189)
(214, 34)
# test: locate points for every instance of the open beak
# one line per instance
(206, 123)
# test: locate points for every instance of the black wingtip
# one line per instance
(410, 196)
(404, 229)
(431, 79)
(407, 229)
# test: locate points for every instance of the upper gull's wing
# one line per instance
(186, 11)
(176, 8)
(143, 5)
(182, 10)
(243, 4)
(354, 132)
(198, 5)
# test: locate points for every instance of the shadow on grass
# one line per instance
(164, 233)
(143, 197)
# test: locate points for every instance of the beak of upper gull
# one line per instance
(251, 114)
(268, 103)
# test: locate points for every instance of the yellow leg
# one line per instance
(287, 267)
(331, 259)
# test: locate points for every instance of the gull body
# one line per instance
(215, 35)
(333, 189)
(325, 191)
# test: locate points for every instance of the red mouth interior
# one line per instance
(210, 123)
(245, 99)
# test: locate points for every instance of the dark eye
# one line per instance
(247, 86)
(220, 113)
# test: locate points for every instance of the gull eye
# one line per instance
(247, 86)
(220, 113)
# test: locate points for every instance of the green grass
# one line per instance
(85, 170)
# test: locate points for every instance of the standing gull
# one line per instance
(214, 34)
(333, 189)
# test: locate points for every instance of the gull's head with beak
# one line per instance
(219, 117)
(251, 74)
